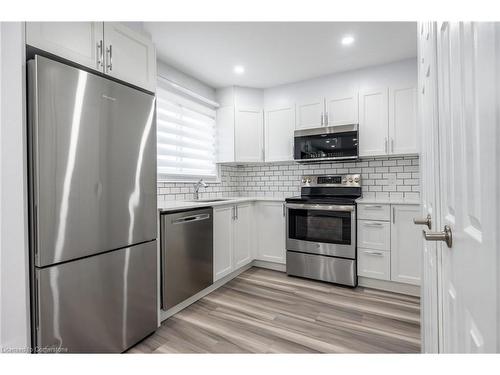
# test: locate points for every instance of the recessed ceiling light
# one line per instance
(239, 69)
(347, 40)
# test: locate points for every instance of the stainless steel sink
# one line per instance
(210, 200)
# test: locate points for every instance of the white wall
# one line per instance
(14, 291)
(402, 72)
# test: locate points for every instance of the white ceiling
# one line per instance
(275, 53)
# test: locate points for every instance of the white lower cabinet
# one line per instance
(374, 263)
(406, 242)
(271, 229)
(223, 241)
(232, 238)
(242, 225)
(389, 243)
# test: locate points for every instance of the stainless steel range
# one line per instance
(321, 229)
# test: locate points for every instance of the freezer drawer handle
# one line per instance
(190, 219)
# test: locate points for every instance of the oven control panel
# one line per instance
(330, 180)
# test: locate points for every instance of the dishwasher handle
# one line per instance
(190, 219)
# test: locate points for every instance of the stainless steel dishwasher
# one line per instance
(186, 253)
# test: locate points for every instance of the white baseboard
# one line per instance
(391, 286)
(269, 265)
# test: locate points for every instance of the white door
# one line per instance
(129, 56)
(80, 42)
(406, 242)
(342, 109)
(271, 228)
(429, 161)
(223, 241)
(279, 126)
(248, 135)
(310, 113)
(402, 120)
(373, 122)
(468, 63)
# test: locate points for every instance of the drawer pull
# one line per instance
(376, 253)
(373, 206)
(373, 224)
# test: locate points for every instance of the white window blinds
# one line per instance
(185, 137)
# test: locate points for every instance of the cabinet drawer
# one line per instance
(374, 212)
(374, 263)
(374, 235)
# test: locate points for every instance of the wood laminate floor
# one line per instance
(264, 311)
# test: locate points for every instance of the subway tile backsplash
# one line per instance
(396, 177)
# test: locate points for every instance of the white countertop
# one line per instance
(165, 206)
(386, 200)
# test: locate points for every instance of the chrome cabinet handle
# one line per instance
(392, 145)
(236, 212)
(99, 54)
(394, 215)
(322, 119)
(109, 54)
(385, 146)
(373, 224)
(326, 118)
(445, 236)
(373, 206)
(427, 221)
(284, 209)
(377, 253)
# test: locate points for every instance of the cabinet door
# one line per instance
(271, 231)
(279, 126)
(223, 241)
(309, 113)
(375, 264)
(373, 122)
(374, 234)
(225, 134)
(129, 56)
(75, 41)
(242, 248)
(406, 241)
(403, 120)
(248, 135)
(342, 109)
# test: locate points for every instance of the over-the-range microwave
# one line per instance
(326, 143)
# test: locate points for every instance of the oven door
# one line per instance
(322, 229)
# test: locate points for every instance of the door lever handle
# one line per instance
(445, 236)
(427, 221)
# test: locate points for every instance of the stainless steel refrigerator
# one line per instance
(92, 173)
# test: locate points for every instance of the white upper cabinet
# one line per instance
(403, 120)
(406, 241)
(129, 56)
(111, 48)
(373, 122)
(80, 42)
(248, 135)
(240, 125)
(310, 113)
(342, 109)
(279, 125)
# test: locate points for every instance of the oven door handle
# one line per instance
(320, 207)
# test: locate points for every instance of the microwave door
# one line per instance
(326, 146)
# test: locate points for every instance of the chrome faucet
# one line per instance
(197, 187)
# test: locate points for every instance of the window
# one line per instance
(185, 138)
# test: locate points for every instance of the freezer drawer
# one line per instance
(93, 163)
(324, 268)
(187, 254)
(104, 303)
